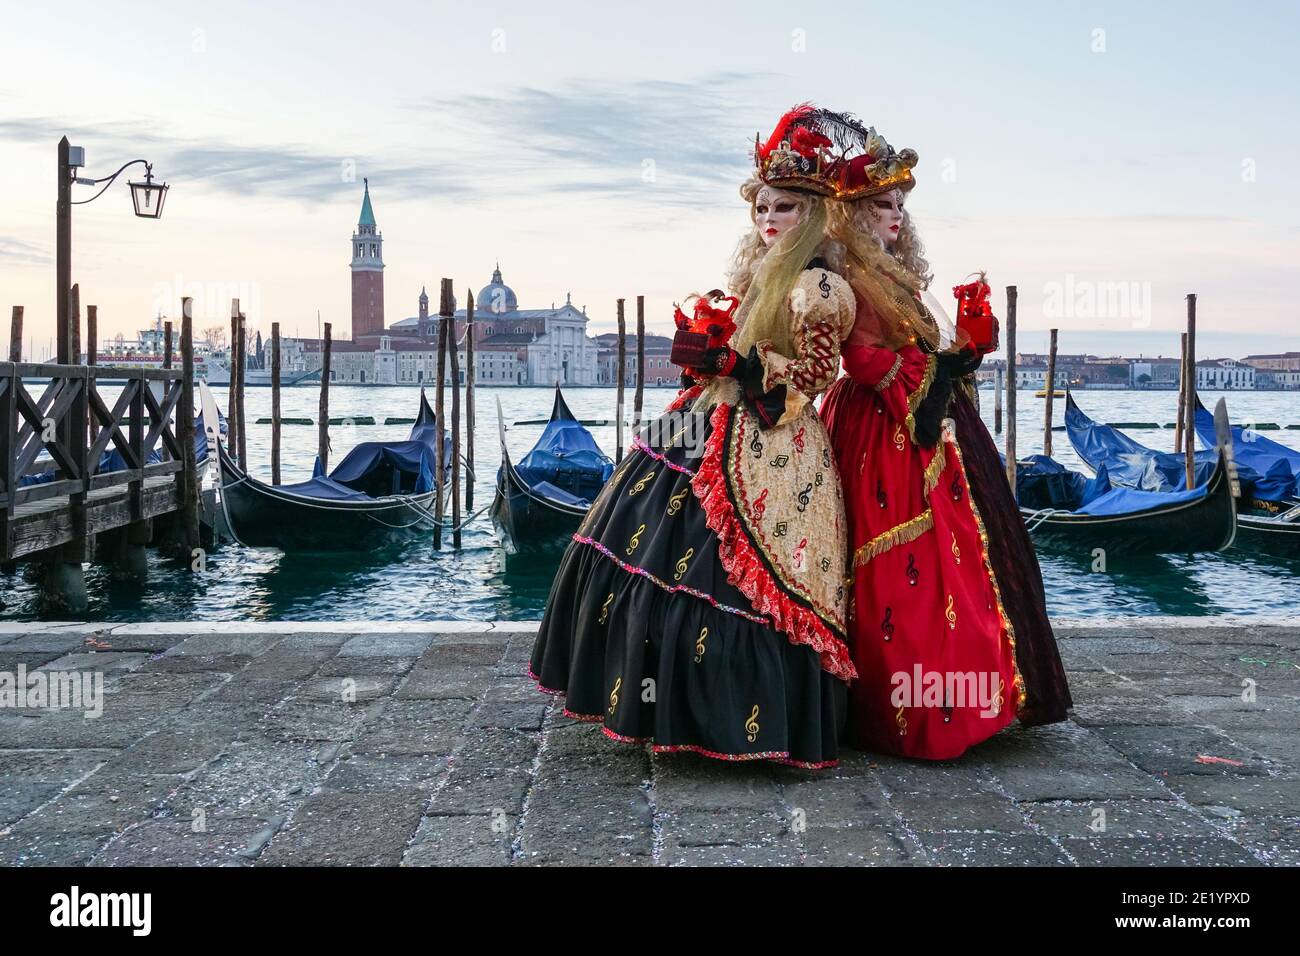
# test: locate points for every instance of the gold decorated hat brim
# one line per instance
(904, 182)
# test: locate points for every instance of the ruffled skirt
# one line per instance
(644, 632)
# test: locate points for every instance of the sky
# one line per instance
(1105, 158)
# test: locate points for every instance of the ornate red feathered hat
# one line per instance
(832, 154)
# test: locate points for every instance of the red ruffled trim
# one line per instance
(745, 569)
(684, 396)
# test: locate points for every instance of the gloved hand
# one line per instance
(957, 364)
(727, 361)
(927, 420)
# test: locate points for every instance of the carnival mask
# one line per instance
(886, 214)
(776, 212)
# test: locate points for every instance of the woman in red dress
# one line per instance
(932, 636)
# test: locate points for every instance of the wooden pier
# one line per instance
(82, 513)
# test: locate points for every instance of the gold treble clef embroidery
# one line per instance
(675, 502)
(613, 694)
(681, 563)
(901, 721)
(636, 539)
(956, 551)
(900, 442)
(699, 644)
(640, 485)
(751, 725)
(604, 608)
(950, 614)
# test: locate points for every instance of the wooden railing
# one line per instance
(71, 421)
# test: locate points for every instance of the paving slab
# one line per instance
(424, 744)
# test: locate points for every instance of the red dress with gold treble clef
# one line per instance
(932, 644)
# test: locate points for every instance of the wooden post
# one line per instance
(16, 335)
(323, 415)
(185, 432)
(74, 325)
(92, 359)
(1182, 395)
(243, 419)
(275, 403)
(469, 402)
(998, 376)
(621, 378)
(444, 316)
(167, 343)
(454, 354)
(1011, 389)
(1051, 389)
(640, 362)
(232, 408)
(1189, 424)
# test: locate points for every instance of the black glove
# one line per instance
(727, 361)
(927, 420)
(960, 363)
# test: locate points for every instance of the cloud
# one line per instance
(15, 250)
(648, 143)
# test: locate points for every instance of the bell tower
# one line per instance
(367, 273)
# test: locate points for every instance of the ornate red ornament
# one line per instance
(975, 315)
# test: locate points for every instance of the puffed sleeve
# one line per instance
(903, 378)
(821, 315)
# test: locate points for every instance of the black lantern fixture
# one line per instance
(148, 196)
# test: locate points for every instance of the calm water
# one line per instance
(480, 582)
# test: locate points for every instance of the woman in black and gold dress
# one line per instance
(701, 605)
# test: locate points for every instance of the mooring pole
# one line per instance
(1182, 394)
(470, 375)
(323, 413)
(232, 407)
(1011, 389)
(1051, 392)
(243, 419)
(640, 363)
(275, 403)
(444, 316)
(1189, 425)
(453, 353)
(621, 379)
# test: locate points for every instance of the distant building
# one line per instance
(659, 369)
(1224, 374)
(1158, 372)
(1287, 361)
(1283, 379)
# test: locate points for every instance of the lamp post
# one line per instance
(147, 197)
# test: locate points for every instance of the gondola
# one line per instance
(1066, 508)
(1134, 504)
(379, 493)
(542, 500)
(1268, 508)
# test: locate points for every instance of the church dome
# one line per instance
(496, 297)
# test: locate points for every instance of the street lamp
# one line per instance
(147, 197)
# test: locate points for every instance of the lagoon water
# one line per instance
(480, 582)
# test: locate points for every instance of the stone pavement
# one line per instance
(425, 744)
